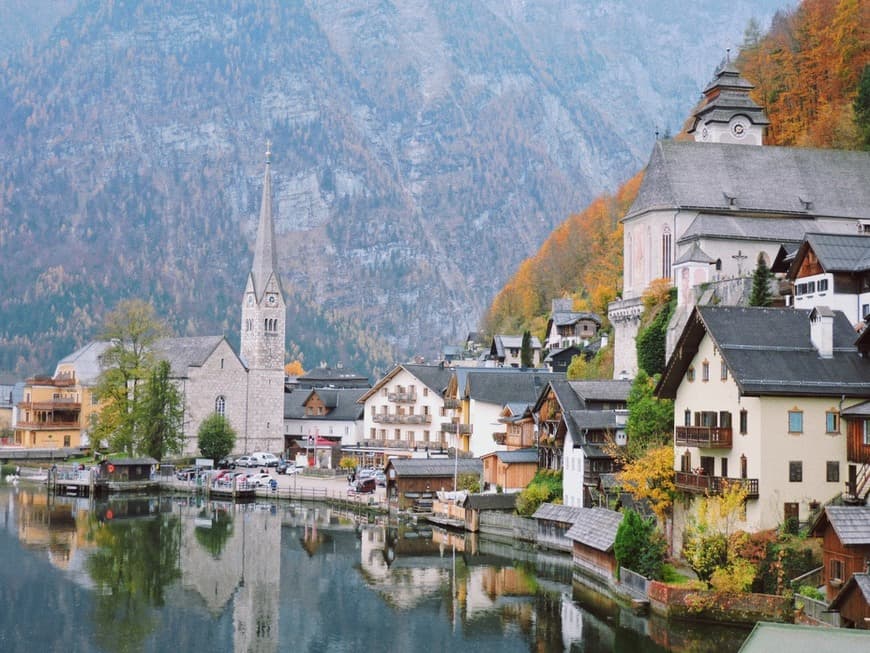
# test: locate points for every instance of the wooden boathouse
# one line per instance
(110, 475)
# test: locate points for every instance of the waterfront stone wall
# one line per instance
(719, 606)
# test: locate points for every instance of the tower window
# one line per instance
(220, 406)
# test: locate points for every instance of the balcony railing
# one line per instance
(462, 429)
(51, 404)
(45, 426)
(707, 437)
(393, 418)
(702, 483)
(403, 397)
(452, 403)
(499, 438)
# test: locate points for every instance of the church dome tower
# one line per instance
(728, 114)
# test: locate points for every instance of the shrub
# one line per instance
(639, 546)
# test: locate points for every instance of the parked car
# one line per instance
(381, 478)
(186, 474)
(264, 459)
(293, 469)
(244, 461)
(365, 472)
(260, 480)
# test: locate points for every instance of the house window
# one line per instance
(723, 371)
(744, 467)
(744, 421)
(795, 471)
(398, 434)
(866, 438)
(865, 310)
(795, 421)
(372, 434)
(724, 462)
(833, 471)
(823, 285)
(425, 392)
(66, 440)
(705, 371)
(690, 374)
(686, 461)
(687, 418)
(836, 570)
(832, 422)
(220, 406)
(425, 436)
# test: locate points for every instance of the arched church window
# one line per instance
(667, 244)
(220, 406)
(718, 265)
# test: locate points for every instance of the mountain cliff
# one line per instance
(421, 150)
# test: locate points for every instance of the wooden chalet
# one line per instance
(510, 470)
(853, 603)
(857, 420)
(845, 533)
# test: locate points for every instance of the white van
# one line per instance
(263, 459)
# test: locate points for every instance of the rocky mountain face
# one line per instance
(421, 150)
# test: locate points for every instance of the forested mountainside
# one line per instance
(421, 150)
(806, 68)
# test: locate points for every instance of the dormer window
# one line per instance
(690, 374)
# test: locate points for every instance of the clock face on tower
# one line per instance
(738, 129)
(272, 300)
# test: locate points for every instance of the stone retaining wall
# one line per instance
(719, 606)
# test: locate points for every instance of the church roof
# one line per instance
(726, 96)
(723, 178)
(732, 227)
(184, 353)
(87, 361)
(695, 255)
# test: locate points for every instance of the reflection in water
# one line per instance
(157, 574)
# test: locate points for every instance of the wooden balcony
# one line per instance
(48, 426)
(856, 450)
(388, 418)
(51, 404)
(451, 403)
(499, 438)
(703, 484)
(706, 437)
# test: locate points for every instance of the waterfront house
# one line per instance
(403, 412)
(477, 397)
(593, 535)
(476, 504)
(845, 533)
(510, 470)
(853, 602)
(413, 479)
(323, 421)
(757, 399)
(577, 422)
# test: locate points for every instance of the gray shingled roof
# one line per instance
(435, 467)
(434, 377)
(183, 353)
(594, 419)
(503, 385)
(695, 255)
(769, 179)
(342, 403)
(566, 318)
(836, 252)
(861, 582)
(596, 527)
(732, 227)
(529, 455)
(615, 391)
(321, 377)
(497, 501)
(858, 410)
(86, 361)
(851, 523)
(769, 352)
(558, 513)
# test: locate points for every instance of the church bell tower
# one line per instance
(264, 316)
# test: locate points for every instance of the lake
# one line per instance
(176, 573)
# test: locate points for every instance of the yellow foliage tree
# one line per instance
(294, 368)
(651, 477)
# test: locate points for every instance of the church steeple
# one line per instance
(263, 307)
(728, 114)
(265, 264)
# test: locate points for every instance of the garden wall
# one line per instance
(719, 606)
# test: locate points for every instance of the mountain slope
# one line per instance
(421, 150)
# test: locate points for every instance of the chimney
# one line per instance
(604, 340)
(822, 330)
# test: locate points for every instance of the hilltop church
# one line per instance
(247, 388)
(708, 208)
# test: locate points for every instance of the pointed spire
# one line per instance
(265, 259)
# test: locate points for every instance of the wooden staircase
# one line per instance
(858, 491)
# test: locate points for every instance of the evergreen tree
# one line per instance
(526, 359)
(639, 546)
(216, 438)
(159, 415)
(761, 278)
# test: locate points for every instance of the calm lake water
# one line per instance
(180, 574)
